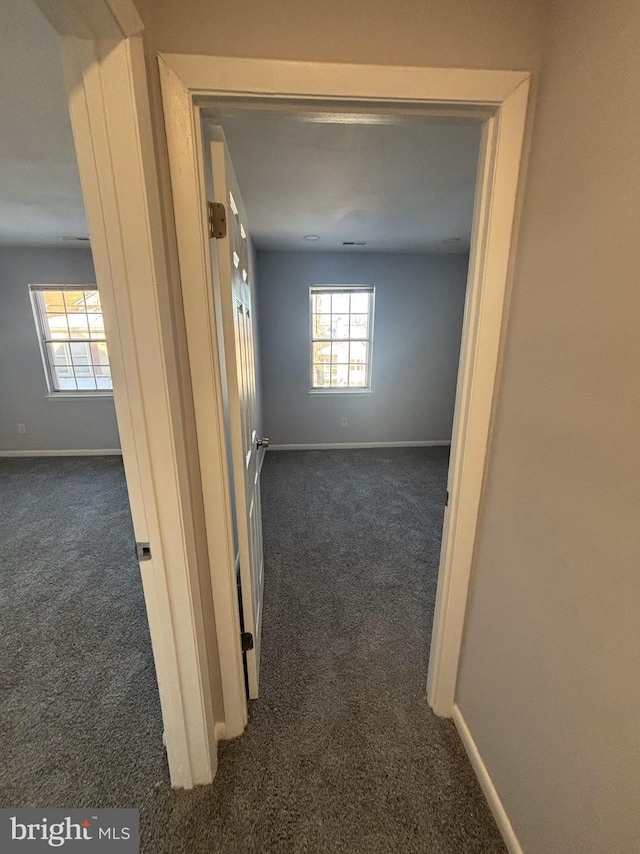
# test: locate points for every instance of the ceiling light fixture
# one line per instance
(311, 237)
(451, 240)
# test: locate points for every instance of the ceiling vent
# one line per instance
(354, 242)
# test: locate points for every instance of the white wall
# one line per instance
(550, 676)
(60, 424)
(419, 304)
(445, 33)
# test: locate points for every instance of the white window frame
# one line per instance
(41, 322)
(370, 289)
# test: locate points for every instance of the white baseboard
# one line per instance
(344, 445)
(87, 452)
(490, 793)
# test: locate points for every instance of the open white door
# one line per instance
(231, 257)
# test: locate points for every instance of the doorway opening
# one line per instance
(346, 253)
(352, 533)
(76, 662)
(191, 85)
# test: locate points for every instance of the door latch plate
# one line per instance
(143, 551)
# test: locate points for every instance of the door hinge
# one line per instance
(446, 503)
(143, 551)
(246, 639)
(217, 216)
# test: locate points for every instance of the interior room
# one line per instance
(79, 708)
(537, 680)
(357, 199)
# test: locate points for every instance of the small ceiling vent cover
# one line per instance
(354, 242)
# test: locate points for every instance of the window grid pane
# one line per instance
(74, 302)
(72, 328)
(57, 326)
(340, 330)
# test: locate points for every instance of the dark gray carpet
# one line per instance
(342, 753)
(79, 711)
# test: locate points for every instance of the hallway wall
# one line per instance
(52, 424)
(446, 33)
(419, 303)
(549, 676)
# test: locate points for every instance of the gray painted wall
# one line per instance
(549, 678)
(60, 424)
(418, 322)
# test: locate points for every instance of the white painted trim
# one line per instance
(499, 99)
(342, 392)
(204, 75)
(493, 798)
(107, 90)
(346, 445)
(76, 452)
(496, 189)
(79, 395)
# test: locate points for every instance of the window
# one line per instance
(71, 329)
(341, 336)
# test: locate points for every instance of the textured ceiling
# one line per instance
(392, 182)
(398, 185)
(40, 196)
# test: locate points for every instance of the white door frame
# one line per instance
(500, 99)
(106, 82)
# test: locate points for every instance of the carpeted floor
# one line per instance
(79, 711)
(342, 753)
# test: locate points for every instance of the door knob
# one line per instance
(262, 443)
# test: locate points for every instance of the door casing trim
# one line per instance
(499, 99)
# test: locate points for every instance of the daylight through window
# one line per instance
(341, 337)
(71, 328)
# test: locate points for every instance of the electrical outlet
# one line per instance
(344, 422)
(22, 428)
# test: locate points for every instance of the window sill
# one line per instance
(340, 391)
(78, 395)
